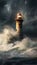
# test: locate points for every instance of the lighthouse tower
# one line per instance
(19, 20)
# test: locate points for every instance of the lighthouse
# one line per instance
(19, 20)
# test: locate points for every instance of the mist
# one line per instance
(10, 46)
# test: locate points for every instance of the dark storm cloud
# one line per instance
(9, 8)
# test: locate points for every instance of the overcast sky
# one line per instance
(9, 8)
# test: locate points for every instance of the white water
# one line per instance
(24, 48)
